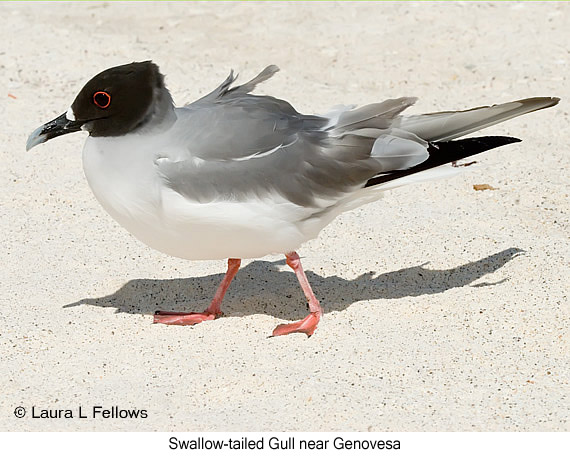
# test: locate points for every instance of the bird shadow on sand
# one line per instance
(264, 287)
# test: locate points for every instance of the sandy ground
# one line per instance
(446, 307)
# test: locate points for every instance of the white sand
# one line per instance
(432, 321)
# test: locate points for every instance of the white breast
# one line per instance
(123, 176)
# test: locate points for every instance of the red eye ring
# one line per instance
(102, 99)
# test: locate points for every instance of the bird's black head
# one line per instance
(115, 102)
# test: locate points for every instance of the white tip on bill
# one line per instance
(69, 114)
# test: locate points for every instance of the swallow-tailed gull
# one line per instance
(235, 175)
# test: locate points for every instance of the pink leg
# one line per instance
(308, 324)
(213, 310)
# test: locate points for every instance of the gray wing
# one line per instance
(241, 146)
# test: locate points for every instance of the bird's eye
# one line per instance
(102, 99)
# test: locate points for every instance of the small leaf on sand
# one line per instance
(483, 187)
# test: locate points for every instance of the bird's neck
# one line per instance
(160, 116)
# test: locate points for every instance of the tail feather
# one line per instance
(445, 126)
(443, 152)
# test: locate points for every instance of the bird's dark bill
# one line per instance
(59, 126)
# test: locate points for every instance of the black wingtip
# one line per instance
(446, 151)
(443, 152)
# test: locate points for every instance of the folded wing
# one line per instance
(238, 146)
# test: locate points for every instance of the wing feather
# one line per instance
(236, 146)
